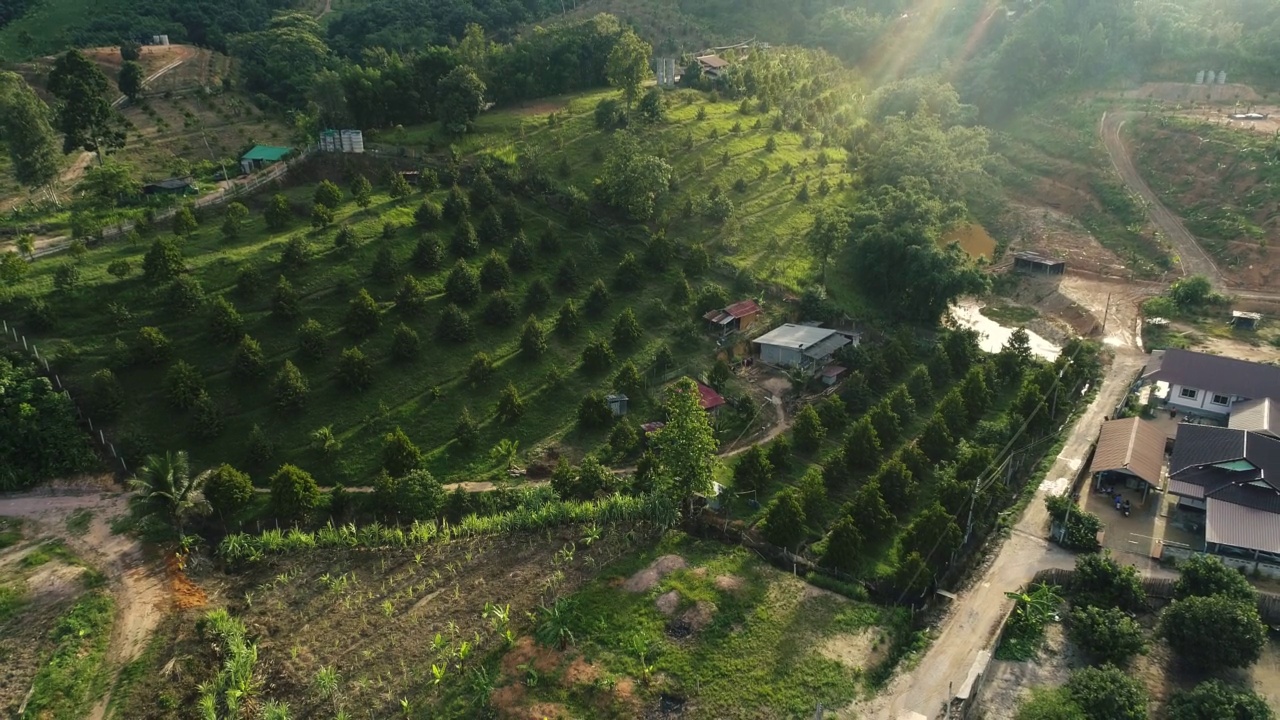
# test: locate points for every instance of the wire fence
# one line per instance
(12, 335)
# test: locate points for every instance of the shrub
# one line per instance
(412, 298)
(362, 191)
(66, 278)
(549, 241)
(536, 296)
(510, 405)
(321, 216)
(521, 257)
(568, 279)
(533, 339)
(106, 396)
(185, 296)
(294, 255)
(184, 221)
(248, 282)
(1101, 581)
(568, 321)
(464, 243)
(120, 269)
(1107, 693)
(628, 381)
(480, 369)
(455, 325)
(427, 254)
(491, 231)
(225, 323)
(405, 343)
(1205, 575)
(597, 299)
(385, 268)
(228, 490)
(284, 300)
(247, 361)
(363, 317)
(355, 369)
(784, 519)
(466, 431)
(290, 388)
(183, 385)
(494, 273)
(312, 340)
(294, 493)
(593, 411)
(1050, 704)
(626, 329)
(462, 287)
(278, 213)
(151, 347)
(260, 448)
(327, 195)
(206, 420)
(597, 356)
(428, 215)
(1215, 700)
(500, 310)
(753, 471)
(808, 429)
(1108, 635)
(1215, 632)
(399, 455)
(629, 275)
(456, 205)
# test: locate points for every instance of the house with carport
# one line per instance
(1208, 385)
(1130, 453)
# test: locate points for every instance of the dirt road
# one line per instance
(137, 581)
(972, 623)
(1191, 257)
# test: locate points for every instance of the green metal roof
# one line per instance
(267, 153)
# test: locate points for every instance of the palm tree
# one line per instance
(507, 451)
(27, 245)
(165, 485)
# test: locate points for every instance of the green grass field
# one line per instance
(762, 640)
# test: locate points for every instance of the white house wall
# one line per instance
(1203, 401)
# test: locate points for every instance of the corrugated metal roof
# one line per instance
(1186, 489)
(1258, 415)
(743, 308)
(1214, 373)
(1236, 525)
(827, 346)
(796, 337)
(1205, 445)
(710, 399)
(267, 153)
(1132, 445)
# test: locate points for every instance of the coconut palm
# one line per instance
(165, 486)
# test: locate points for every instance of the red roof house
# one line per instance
(710, 399)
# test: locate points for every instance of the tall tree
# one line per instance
(85, 115)
(829, 232)
(628, 64)
(25, 129)
(130, 80)
(686, 446)
(459, 99)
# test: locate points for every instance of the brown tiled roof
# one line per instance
(1214, 373)
(1133, 445)
(1240, 526)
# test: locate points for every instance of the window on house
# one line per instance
(1221, 399)
(1189, 393)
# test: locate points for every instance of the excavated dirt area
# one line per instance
(1174, 92)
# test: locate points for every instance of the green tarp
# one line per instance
(266, 153)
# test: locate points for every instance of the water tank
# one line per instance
(1200, 78)
(352, 141)
(1222, 77)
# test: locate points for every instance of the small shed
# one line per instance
(617, 404)
(261, 156)
(833, 374)
(712, 65)
(1245, 320)
(171, 186)
(1040, 264)
(738, 316)
(710, 400)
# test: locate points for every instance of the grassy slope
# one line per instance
(1223, 180)
(401, 395)
(51, 24)
(762, 239)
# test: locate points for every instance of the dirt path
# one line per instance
(137, 582)
(973, 621)
(1191, 257)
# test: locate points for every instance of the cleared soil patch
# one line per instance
(648, 578)
(1190, 92)
(860, 650)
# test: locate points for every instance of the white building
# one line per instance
(802, 346)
